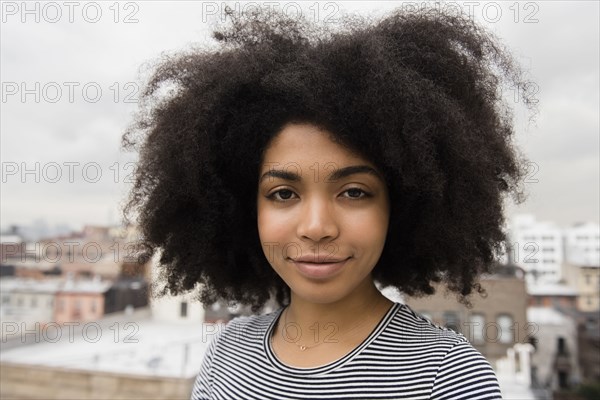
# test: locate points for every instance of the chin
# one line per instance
(320, 295)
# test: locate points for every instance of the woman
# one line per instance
(305, 164)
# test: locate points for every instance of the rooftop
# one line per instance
(53, 285)
(551, 289)
(133, 344)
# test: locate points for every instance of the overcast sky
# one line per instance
(70, 75)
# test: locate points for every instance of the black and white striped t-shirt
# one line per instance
(405, 357)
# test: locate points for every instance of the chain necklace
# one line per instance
(302, 347)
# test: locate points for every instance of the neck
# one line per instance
(362, 307)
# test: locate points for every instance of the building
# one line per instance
(52, 300)
(126, 293)
(182, 308)
(33, 305)
(514, 374)
(585, 279)
(495, 323)
(153, 352)
(552, 295)
(79, 300)
(582, 244)
(25, 303)
(555, 362)
(589, 346)
(103, 251)
(537, 247)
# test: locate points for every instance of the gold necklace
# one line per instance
(300, 346)
(303, 347)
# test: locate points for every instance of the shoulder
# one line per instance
(462, 371)
(241, 334)
(413, 325)
(465, 374)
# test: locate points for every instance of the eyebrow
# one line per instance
(337, 174)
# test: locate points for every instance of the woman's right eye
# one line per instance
(284, 195)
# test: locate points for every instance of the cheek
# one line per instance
(369, 228)
(373, 220)
(272, 226)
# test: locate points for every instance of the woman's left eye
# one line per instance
(281, 195)
(357, 193)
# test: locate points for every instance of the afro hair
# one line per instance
(417, 92)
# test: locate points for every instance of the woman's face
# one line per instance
(319, 202)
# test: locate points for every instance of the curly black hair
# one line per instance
(417, 92)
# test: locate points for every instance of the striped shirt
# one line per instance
(404, 357)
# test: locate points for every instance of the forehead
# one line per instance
(307, 144)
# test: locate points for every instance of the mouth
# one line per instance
(320, 270)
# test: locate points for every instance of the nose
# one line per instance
(317, 220)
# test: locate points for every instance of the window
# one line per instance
(563, 379)
(476, 327)
(5, 299)
(183, 311)
(93, 306)
(451, 321)
(76, 311)
(33, 302)
(505, 328)
(587, 279)
(561, 346)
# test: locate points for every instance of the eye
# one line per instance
(356, 194)
(281, 195)
(284, 195)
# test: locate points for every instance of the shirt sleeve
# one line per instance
(465, 374)
(202, 389)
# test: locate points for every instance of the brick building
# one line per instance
(494, 323)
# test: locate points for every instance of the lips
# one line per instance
(319, 270)
(315, 259)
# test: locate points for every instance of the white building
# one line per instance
(582, 244)
(26, 302)
(537, 247)
(182, 308)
